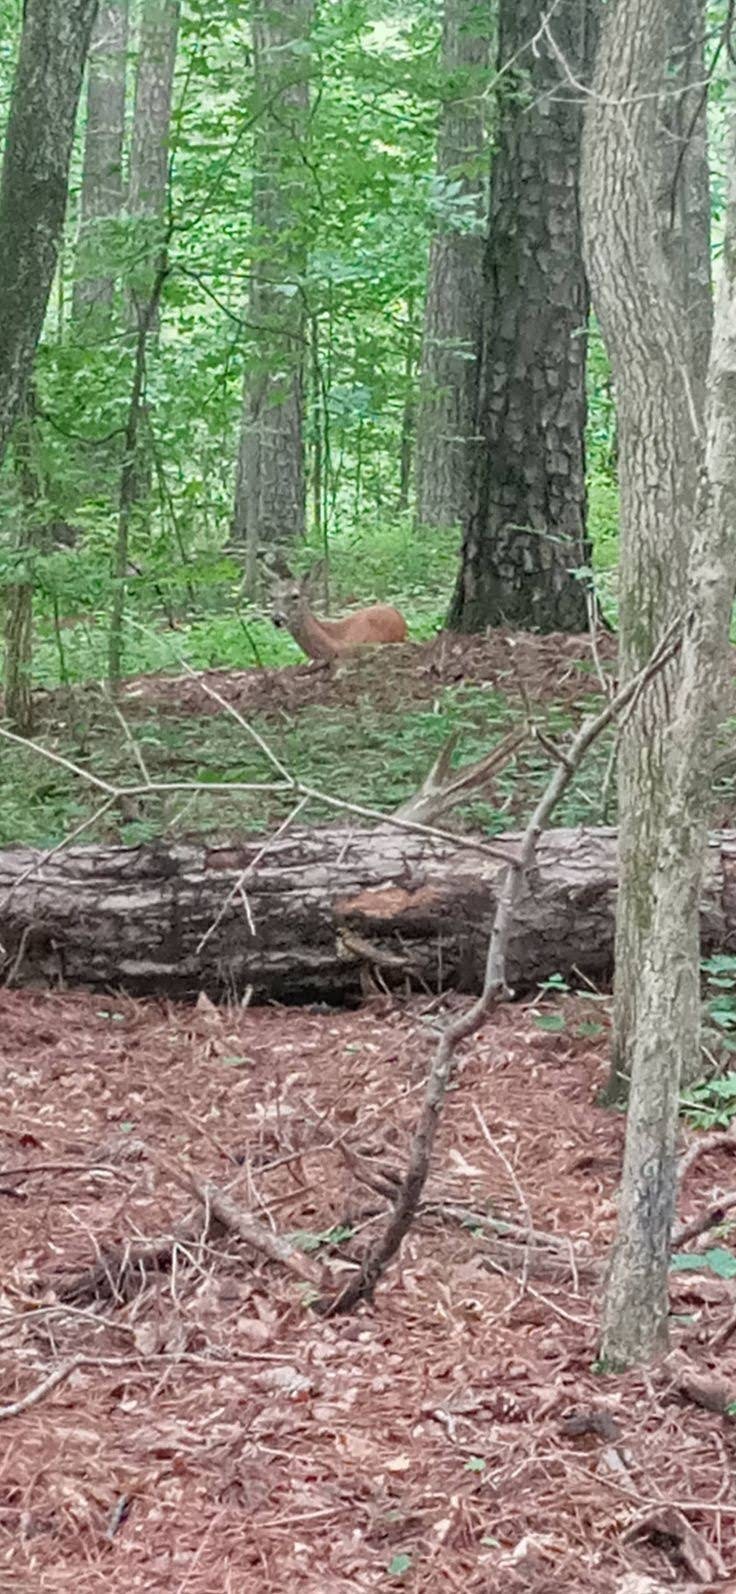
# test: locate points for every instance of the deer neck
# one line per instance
(311, 637)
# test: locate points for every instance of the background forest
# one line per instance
(319, 183)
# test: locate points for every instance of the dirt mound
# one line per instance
(557, 668)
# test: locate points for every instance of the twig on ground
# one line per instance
(710, 1219)
(523, 1202)
(65, 1370)
(226, 1212)
(718, 1140)
(540, 1254)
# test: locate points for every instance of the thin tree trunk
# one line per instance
(525, 532)
(317, 433)
(659, 387)
(33, 189)
(18, 638)
(452, 318)
(148, 189)
(129, 475)
(270, 493)
(102, 177)
(406, 448)
(641, 276)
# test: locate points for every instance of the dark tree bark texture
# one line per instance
(452, 317)
(326, 908)
(102, 177)
(525, 532)
(33, 188)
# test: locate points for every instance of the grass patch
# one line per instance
(376, 758)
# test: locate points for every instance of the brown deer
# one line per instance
(327, 640)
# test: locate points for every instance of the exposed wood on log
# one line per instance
(315, 908)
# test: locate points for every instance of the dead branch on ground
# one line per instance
(363, 1285)
(709, 1219)
(719, 1140)
(225, 1211)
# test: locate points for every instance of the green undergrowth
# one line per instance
(357, 753)
(214, 625)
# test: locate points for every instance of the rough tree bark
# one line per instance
(102, 177)
(452, 317)
(33, 188)
(149, 149)
(270, 498)
(655, 356)
(647, 225)
(326, 908)
(525, 530)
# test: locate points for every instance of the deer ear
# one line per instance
(313, 576)
(274, 563)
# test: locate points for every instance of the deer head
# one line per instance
(289, 595)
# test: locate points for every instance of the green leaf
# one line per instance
(475, 1464)
(551, 1022)
(399, 1564)
(717, 1260)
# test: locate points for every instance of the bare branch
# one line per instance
(494, 990)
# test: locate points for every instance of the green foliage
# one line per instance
(711, 1104)
(715, 1260)
(365, 210)
(400, 1563)
(369, 752)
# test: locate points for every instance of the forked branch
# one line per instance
(362, 1285)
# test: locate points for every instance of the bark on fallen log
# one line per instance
(318, 912)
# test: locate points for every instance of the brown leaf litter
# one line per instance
(556, 668)
(212, 1435)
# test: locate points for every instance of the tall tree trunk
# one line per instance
(102, 178)
(33, 188)
(148, 191)
(641, 275)
(270, 500)
(18, 637)
(659, 389)
(452, 317)
(406, 444)
(525, 531)
(149, 149)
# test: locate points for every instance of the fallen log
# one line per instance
(309, 915)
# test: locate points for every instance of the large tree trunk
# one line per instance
(33, 189)
(324, 909)
(670, 749)
(525, 532)
(452, 317)
(102, 177)
(647, 207)
(270, 494)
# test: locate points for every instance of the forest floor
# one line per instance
(216, 1436)
(526, 667)
(367, 734)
